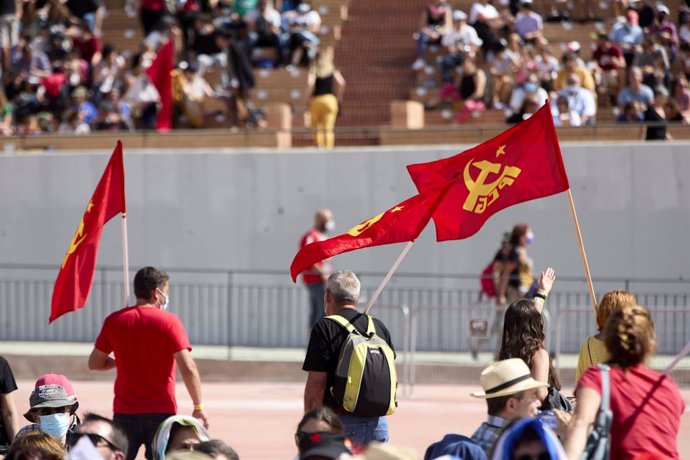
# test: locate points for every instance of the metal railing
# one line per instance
(263, 308)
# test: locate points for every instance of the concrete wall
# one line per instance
(247, 210)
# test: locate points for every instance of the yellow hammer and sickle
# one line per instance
(78, 238)
(358, 229)
(479, 189)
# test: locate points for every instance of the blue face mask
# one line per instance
(530, 87)
(529, 238)
(55, 425)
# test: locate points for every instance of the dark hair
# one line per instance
(518, 232)
(117, 434)
(629, 336)
(495, 406)
(147, 280)
(215, 447)
(523, 335)
(323, 414)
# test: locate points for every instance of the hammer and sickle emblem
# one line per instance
(358, 229)
(482, 194)
(78, 238)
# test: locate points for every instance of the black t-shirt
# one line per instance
(7, 385)
(327, 337)
(656, 132)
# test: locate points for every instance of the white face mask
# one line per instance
(330, 225)
(166, 301)
(55, 425)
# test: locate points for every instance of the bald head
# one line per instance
(321, 220)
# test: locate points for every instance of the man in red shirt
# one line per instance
(315, 278)
(610, 67)
(147, 342)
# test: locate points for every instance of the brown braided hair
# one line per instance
(629, 336)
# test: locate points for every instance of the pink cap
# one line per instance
(56, 379)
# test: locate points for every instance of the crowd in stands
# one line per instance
(498, 57)
(58, 75)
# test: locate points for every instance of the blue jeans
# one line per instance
(316, 291)
(140, 429)
(363, 430)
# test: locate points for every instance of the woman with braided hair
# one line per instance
(646, 405)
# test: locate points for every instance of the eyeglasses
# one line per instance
(96, 439)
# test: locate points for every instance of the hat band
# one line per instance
(507, 384)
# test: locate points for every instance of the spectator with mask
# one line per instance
(434, 23)
(53, 407)
(510, 393)
(636, 90)
(461, 40)
(628, 35)
(580, 100)
(529, 89)
(316, 276)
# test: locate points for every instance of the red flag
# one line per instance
(520, 164)
(403, 222)
(160, 75)
(74, 280)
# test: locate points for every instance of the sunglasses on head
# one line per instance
(96, 439)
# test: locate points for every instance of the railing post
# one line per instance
(560, 313)
(406, 349)
(231, 280)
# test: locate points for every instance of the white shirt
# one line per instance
(271, 16)
(580, 101)
(488, 11)
(465, 35)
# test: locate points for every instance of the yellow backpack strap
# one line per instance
(371, 330)
(344, 323)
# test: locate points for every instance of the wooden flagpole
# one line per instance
(683, 353)
(125, 257)
(582, 251)
(395, 266)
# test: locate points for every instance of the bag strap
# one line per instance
(605, 386)
(344, 322)
(371, 329)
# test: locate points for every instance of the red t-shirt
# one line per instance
(87, 48)
(144, 340)
(646, 410)
(311, 276)
(605, 58)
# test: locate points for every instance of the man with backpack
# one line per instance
(350, 364)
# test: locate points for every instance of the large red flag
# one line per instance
(160, 75)
(402, 222)
(74, 280)
(520, 164)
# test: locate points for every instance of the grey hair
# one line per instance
(344, 287)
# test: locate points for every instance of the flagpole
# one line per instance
(408, 246)
(395, 266)
(683, 353)
(125, 257)
(582, 251)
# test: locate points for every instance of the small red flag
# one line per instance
(403, 222)
(520, 164)
(74, 280)
(160, 74)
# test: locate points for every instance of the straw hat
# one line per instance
(507, 377)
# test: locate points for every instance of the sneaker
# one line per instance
(418, 64)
